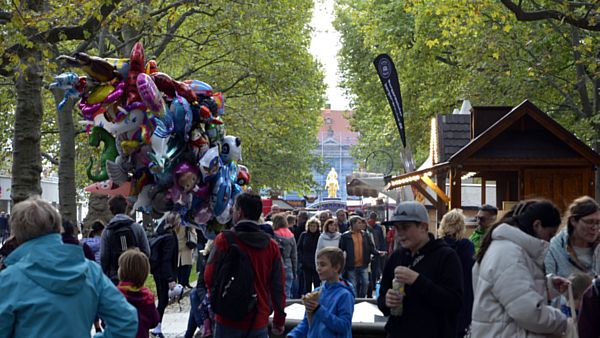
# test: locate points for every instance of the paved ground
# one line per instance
(176, 317)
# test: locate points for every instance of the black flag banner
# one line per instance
(389, 79)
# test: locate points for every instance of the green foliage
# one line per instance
(449, 50)
(256, 52)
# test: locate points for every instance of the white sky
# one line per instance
(324, 46)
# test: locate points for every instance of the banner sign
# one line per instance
(389, 79)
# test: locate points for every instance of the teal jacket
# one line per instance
(50, 290)
(333, 317)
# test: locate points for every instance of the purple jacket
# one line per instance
(588, 324)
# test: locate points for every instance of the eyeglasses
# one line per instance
(591, 222)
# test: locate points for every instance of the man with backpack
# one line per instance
(121, 233)
(245, 276)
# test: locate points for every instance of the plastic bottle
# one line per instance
(397, 286)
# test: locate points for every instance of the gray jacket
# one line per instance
(105, 249)
(288, 252)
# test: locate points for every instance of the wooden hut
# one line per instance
(522, 149)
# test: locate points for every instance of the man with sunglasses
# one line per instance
(432, 276)
(486, 216)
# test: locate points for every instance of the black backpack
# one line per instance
(232, 294)
(121, 238)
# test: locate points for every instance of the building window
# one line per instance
(329, 132)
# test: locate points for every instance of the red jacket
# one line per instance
(269, 274)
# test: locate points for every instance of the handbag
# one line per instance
(571, 331)
(190, 239)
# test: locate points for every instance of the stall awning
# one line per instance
(408, 178)
(367, 185)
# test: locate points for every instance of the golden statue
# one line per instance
(332, 184)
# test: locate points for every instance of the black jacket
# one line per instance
(168, 249)
(347, 245)
(307, 247)
(432, 302)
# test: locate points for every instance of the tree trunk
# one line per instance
(27, 162)
(67, 193)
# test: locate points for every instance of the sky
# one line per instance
(324, 46)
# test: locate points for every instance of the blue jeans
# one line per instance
(289, 279)
(359, 277)
(223, 331)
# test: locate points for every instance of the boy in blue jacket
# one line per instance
(330, 307)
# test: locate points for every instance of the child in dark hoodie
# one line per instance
(330, 307)
(133, 271)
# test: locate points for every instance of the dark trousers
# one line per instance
(183, 274)
(162, 292)
(376, 265)
(311, 277)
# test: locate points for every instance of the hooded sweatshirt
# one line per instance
(108, 266)
(333, 317)
(327, 239)
(50, 290)
(431, 304)
(269, 274)
(143, 300)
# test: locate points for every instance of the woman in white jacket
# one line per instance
(511, 291)
(330, 235)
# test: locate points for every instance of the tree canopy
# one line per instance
(255, 52)
(449, 50)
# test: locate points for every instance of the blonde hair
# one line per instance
(172, 220)
(134, 267)
(313, 220)
(33, 218)
(279, 221)
(453, 224)
(580, 282)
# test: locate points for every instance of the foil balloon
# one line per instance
(231, 149)
(182, 117)
(121, 65)
(109, 188)
(99, 93)
(243, 176)
(151, 67)
(209, 164)
(94, 66)
(109, 152)
(150, 94)
(221, 194)
(199, 87)
(66, 82)
(136, 66)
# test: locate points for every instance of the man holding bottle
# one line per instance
(430, 273)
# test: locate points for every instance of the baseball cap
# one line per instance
(410, 211)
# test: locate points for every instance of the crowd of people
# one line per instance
(517, 275)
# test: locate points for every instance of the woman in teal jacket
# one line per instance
(49, 289)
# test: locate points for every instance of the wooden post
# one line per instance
(455, 188)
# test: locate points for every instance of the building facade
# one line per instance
(335, 140)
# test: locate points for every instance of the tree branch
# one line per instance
(5, 17)
(50, 158)
(545, 14)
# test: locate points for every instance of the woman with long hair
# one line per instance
(511, 291)
(575, 248)
(307, 247)
(452, 230)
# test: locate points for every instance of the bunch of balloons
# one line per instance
(164, 142)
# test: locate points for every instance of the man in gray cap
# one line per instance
(431, 274)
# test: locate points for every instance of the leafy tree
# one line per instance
(449, 50)
(255, 52)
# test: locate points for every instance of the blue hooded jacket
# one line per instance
(50, 290)
(333, 317)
